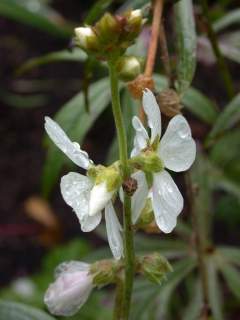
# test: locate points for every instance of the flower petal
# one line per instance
(71, 149)
(139, 197)
(177, 147)
(167, 201)
(89, 223)
(152, 110)
(99, 197)
(141, 137)
(113, 231)
(70, 290)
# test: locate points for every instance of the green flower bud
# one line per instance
(86, 38)
(108, 29)
(147, 161)
(128, 67)
(104, 272)
(134, 22)
(154, 267)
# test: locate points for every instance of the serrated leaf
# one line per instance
(76, 122)
(46, 20)
(229, 18)
(227, 118)
(17, 311)
(186, 44)
(76, 55)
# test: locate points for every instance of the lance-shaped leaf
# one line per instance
(18, 311)
(41, 17)
(77, 55)
(232, 278)
(186, 44)
(227, 20)
(227, 118)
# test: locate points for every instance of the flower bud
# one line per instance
(86, 38)
(104, 272)
(155, 267)
(108, 29)
(128, 67)
(134, 22)
(70, 290)
(169, 102)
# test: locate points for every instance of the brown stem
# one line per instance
(152, 50)
(165, 56)
(200, 247)
(157, 14)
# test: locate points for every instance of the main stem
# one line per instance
(200, 247)
(128, 231)
(223, 68)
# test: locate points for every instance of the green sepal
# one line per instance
(147, 161)
(154, 267)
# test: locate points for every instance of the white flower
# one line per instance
(86, 198)
(71, 289)
(176, 150)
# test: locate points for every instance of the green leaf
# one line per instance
(200, 105)
(17, 311)
(232, 278)
(46, 20)
(23, 101)
(98, 9)
(76, 122)
(193, 100)
(186, 44)
(231, 254)
(227, 118)
(76, 55)
(227, 20)
(160, 294)
(193, 309)
(214, 291)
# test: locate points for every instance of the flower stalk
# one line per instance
(129, 255)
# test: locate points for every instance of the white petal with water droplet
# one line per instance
(140, 195)
(141, 137)
(113, 231)
(177, 148)
(152, 110)
(71, 149)
(167, 201)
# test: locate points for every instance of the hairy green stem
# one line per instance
(129, 255)
(223, 68)
(200, 247)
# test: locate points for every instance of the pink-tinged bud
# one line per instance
(70, 290)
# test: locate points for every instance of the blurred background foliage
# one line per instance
(41, 74)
